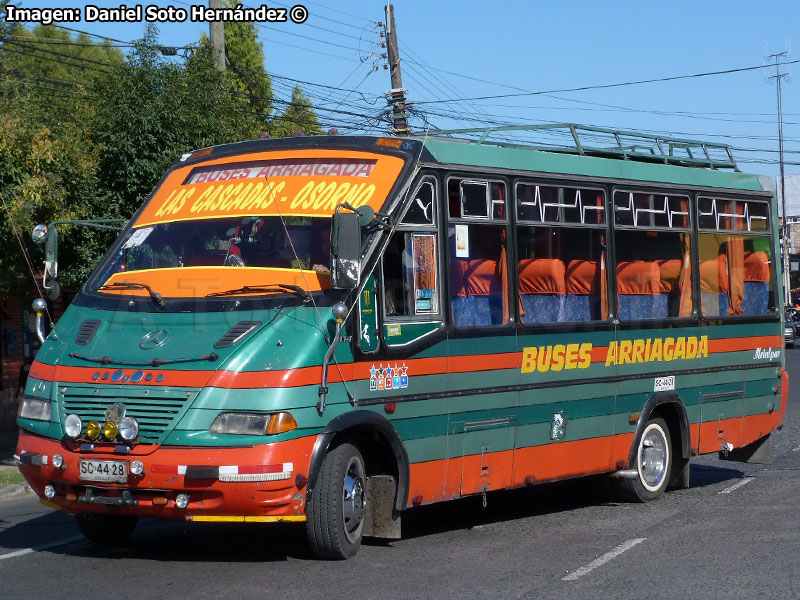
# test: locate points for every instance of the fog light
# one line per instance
(128, 428)
(182, 500)
(49, 492)
(110, 430)
(137, 467)
(58, 461)
(93, 430)
(73, 426)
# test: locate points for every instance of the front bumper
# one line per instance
(254, 483)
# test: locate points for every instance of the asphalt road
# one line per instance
(734, 534)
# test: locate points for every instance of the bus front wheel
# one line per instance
(335, 513)
(107, 531)
(653, 464)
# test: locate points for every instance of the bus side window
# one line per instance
(410, 273)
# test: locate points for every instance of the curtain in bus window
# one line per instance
(476, 276)
(502, 274)
(735, 257)
(714, 278)
(685, 281)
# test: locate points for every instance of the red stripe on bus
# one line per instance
(312, 375)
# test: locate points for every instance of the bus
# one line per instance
(333, 330)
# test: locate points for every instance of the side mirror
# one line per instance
(345, 250)
(49, 235)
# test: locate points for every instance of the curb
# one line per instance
(14, 490)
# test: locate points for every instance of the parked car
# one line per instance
(791, 325)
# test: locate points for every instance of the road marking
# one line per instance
(737, 485)
(597, 562)
(55, 544)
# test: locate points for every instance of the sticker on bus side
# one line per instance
(664, 384)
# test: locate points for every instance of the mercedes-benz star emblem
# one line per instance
(154, 339)
(115, 412)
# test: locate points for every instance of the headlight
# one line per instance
(73, 426)
(128, 428)
(33, 408)
(253, 424)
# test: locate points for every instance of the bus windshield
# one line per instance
(260, 218)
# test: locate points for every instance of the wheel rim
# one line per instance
(354, 501)
(653, 458)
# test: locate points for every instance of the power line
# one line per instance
(605, 86)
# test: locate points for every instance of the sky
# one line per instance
(535, 54)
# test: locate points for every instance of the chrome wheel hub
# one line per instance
(354, 502)
(653, 458)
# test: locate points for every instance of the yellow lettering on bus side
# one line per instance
(543, 362)
(691, 347)
(586, 356)
(656, 352)
(625, 347)
(558, 357)
(529, 360)
(702, 350)
(611, 357)
(572, 356)
(669, 347)
(680, 349)
(638, 351)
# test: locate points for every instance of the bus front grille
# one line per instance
(156, 410)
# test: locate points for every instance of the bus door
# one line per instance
(408, 373)
(567, 389)
(482, 362)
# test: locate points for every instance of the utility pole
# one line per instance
(397, 95)
(216, 31)
(785, 229)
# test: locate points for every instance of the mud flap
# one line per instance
(381, 520)
(759, 452)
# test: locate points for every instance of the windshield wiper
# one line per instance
(131, 285)
(267, 287)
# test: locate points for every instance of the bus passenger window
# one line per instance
(653, 251)
(410, 276)
(735, 262)
(478, 275)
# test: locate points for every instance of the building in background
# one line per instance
(793, 218)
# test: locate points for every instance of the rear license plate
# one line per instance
(104, 470)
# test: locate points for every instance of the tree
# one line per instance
(246, 76)
(298, 115)
(151, 111)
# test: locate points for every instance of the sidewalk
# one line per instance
(8, 443)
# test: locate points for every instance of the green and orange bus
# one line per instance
(332, 330)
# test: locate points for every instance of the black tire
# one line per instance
(653, 463)
(335, 513)
(107, 531)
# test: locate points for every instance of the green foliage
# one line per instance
(151, 111)
(299, 114)
(247, 78)
(86, 133)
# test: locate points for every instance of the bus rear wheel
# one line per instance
(336, 511)
(107, 531)
(653, 464)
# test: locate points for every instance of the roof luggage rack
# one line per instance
(588, 140)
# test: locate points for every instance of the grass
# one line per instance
(10, 477)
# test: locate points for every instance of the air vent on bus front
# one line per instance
(86, 332)
(236, 333)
